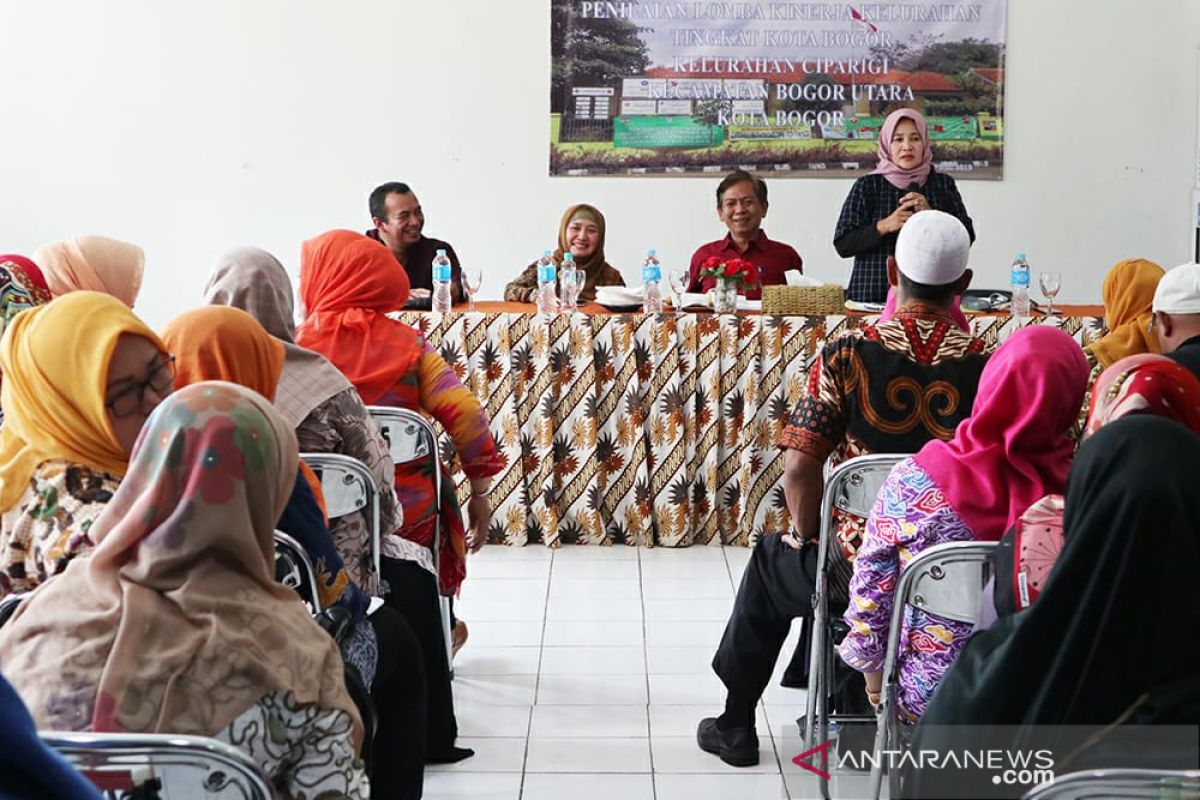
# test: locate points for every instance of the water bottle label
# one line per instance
(651, 273)
(546, 274)
(441, 272)
(1020, 276)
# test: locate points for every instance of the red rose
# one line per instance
(731, 269)
(751, 274)
(711, 262)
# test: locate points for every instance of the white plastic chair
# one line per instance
(349, 488)
(1111, 783)
(411, 437)
(185, 766)
(946, 580)
(851, 488)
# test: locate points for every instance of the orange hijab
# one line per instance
(222, 343)
(348, 284)
(1128, 294)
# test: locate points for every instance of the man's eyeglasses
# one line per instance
(1153, 319)
(132, 400)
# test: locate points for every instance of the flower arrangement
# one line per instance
(737, 270)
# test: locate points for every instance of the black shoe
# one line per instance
(737, 747)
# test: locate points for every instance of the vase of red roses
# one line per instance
(732, 277)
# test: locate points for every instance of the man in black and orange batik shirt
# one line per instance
(883, 388)
(742, 205)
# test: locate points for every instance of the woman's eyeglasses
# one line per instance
(132, 400)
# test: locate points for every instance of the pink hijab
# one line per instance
(93, 264)
(895, 175)
(1013, 449)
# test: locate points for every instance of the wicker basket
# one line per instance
(813, 301)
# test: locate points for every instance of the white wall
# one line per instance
(193, 127)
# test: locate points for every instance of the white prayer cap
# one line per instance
(1179, 291)
(933, 248)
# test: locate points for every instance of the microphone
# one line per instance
(913, 187)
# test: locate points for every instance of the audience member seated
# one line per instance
(903, 183)
(861, 395)
(93, 264)
(1011, 451)
(399, 221)
(1141, 384)
(21, 286)
(313, 396)
(1176, 315)
(742, 206)
(348, 286)
(227, 344)
(175, 624)
(1108, 643)
(580, 233)
(29, 770)
(81, 374)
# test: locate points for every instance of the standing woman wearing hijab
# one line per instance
(580, 233)
(348, 284)
(175, 624)
(1012, 450)
(81, 375)
(903, 183)
(93, 264)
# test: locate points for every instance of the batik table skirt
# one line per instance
(644, 430)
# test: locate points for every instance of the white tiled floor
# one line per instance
(587, 672)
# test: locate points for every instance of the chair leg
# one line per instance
(882, 729)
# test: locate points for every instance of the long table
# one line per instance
(646, 430)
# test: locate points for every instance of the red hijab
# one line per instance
(1014, 448)
(348, 284)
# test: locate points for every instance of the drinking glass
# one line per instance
(1050, 282)
(472, 279)
(679, 282)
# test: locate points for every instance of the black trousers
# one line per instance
(413, 592)
(776, 587)
(399, 693)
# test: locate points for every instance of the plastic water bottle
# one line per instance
(652, 302)
(568, 279)
(547, 295)
(441, 283)
(1020, 286)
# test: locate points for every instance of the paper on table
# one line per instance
(795, 278)
(618, 295)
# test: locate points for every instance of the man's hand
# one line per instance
(874, 687)
(479, 517)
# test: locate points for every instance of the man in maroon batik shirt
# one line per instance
(741, 205)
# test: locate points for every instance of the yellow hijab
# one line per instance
(1128, 293)
(54, 359)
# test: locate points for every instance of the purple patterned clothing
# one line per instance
(910, 516)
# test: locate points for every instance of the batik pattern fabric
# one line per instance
(632, 429)
(48, 526)
(342, 425)
(910, 516)
(434, 389)
(18, 291)
(307, 751)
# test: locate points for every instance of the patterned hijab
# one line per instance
(22, 286)
(93, 264)
(349, 283)
(1145, 384)
(895, 174)
(175, 623)
(1013, 449)
(590, 263)
(253, 280)
(54, 359)
(1128, 294)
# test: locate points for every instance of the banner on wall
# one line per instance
(654, 87)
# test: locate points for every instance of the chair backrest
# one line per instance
(853, 485)
(408, 434)
(294, 569)
(948, 579)
(184, 766)
(346, 482)
(1106, 783)
(8, 605)
(349, 487)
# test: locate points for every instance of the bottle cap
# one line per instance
(650, 252)
(545, 254)
(1021, 256)
(441, 252)
(568, 256)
